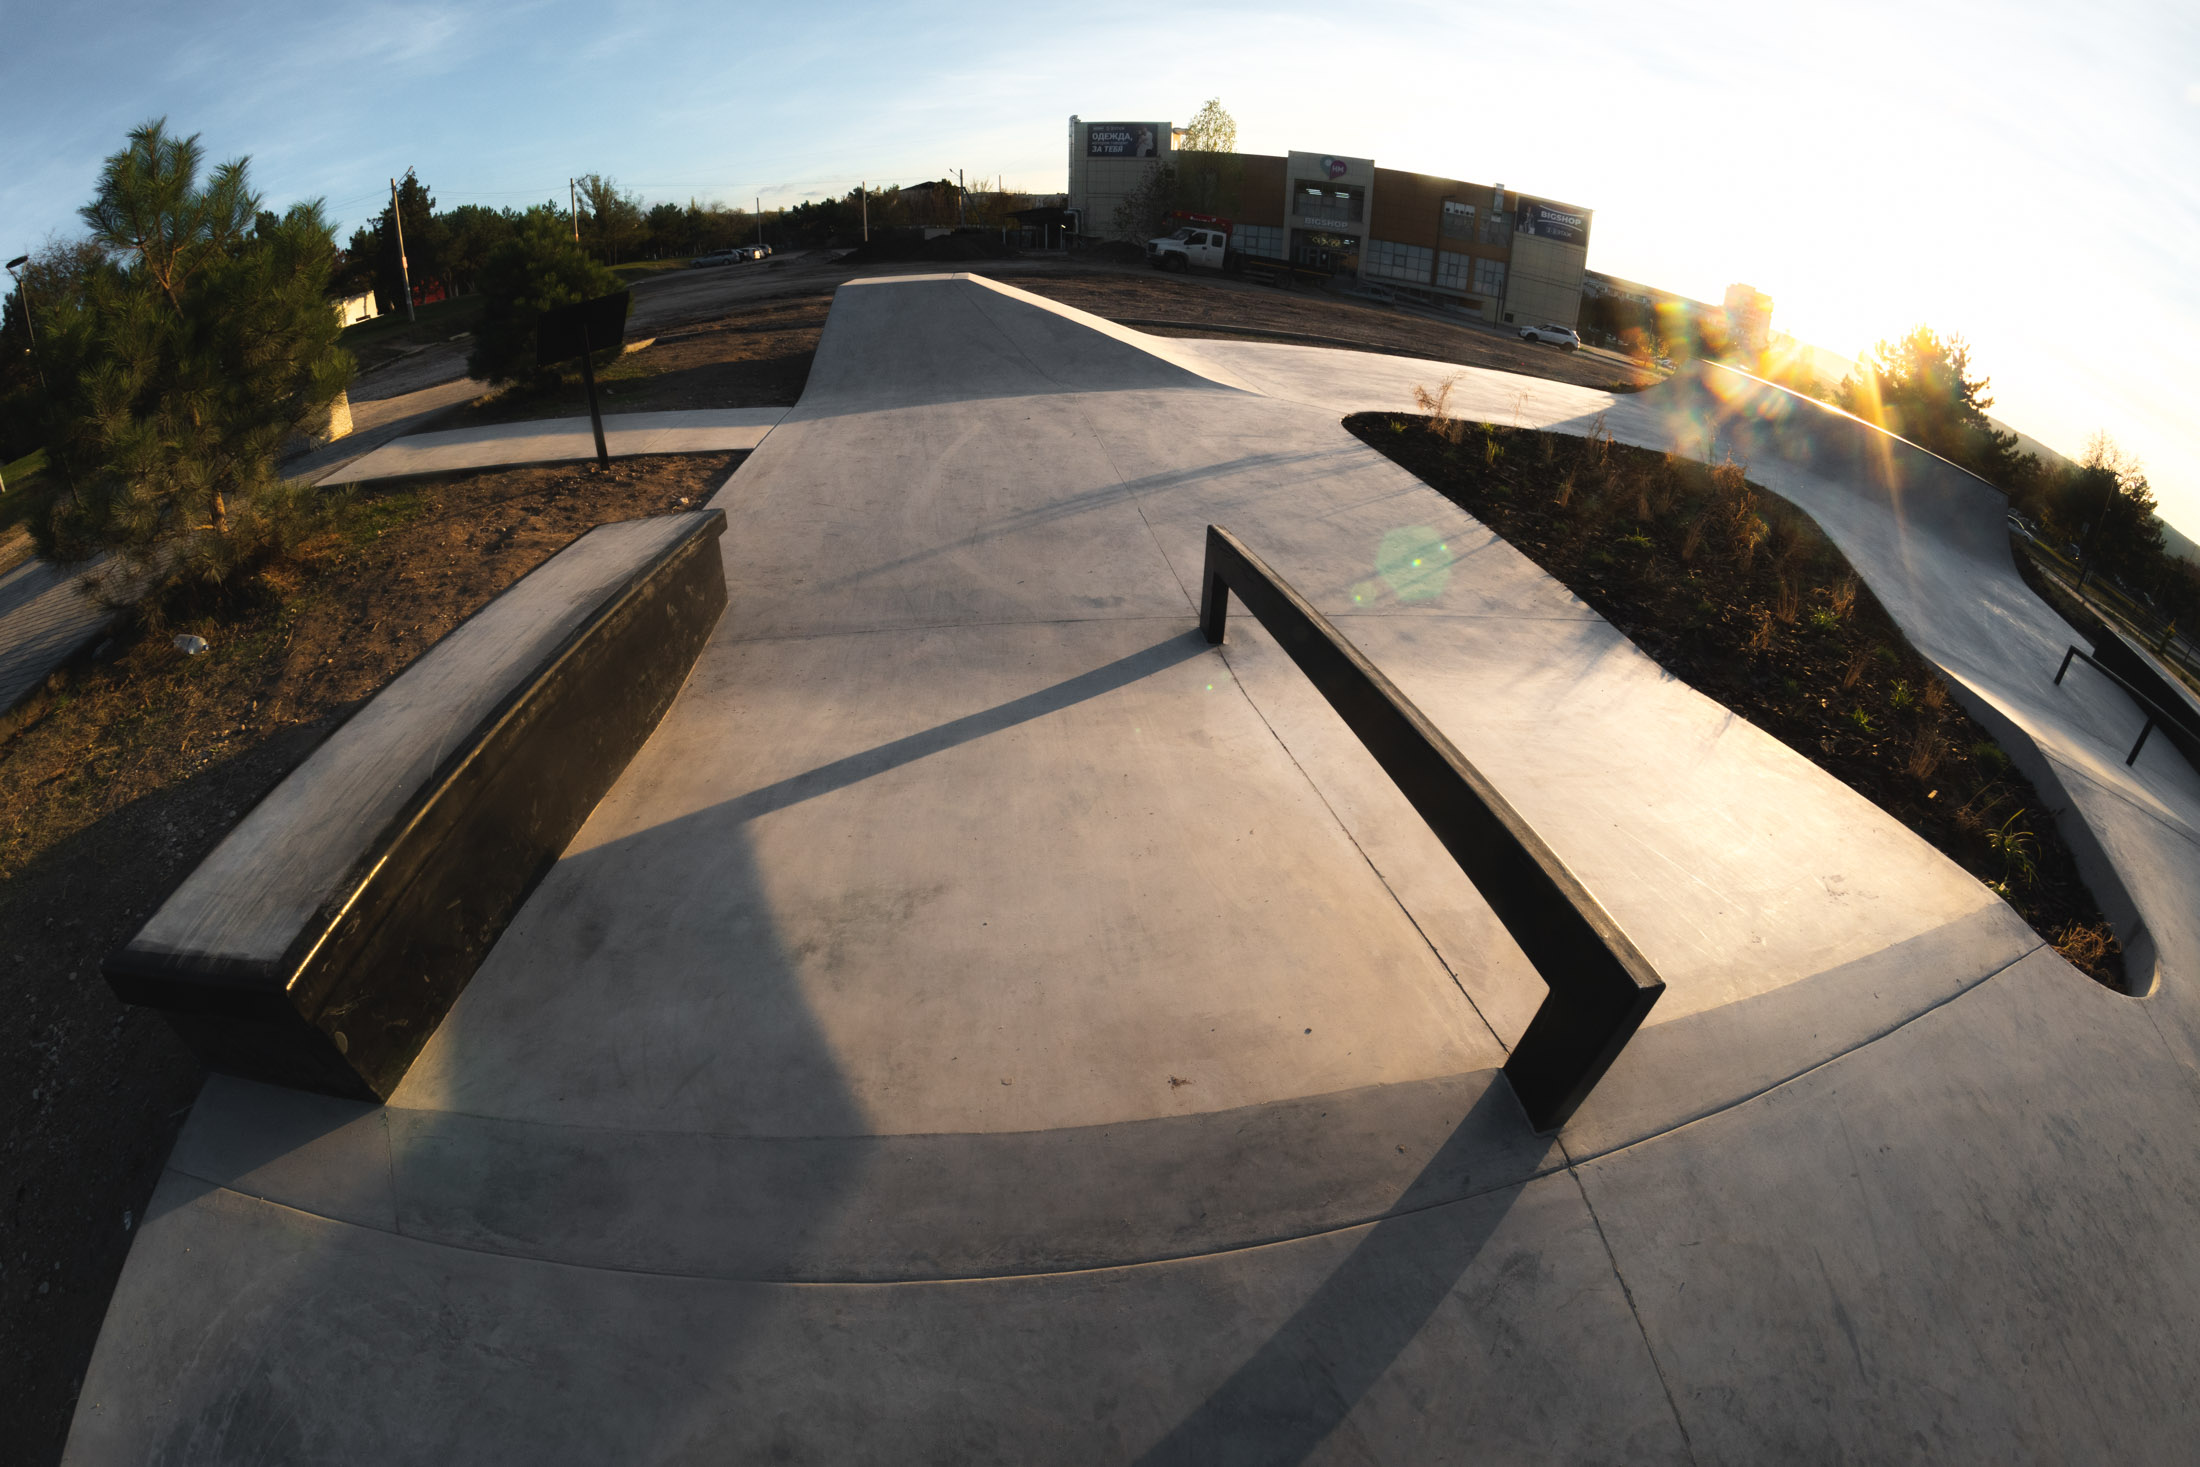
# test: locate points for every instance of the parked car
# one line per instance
(715, 257)
(1562, 337)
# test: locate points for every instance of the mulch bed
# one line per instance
(1738, 593)
(118, 778)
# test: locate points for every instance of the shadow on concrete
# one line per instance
(855, 768)
(1281, 1404)
(1069, 507)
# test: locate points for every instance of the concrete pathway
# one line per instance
(987, 1024)
(45, 617)
(553, 440)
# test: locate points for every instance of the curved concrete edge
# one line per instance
(1709, 1062)
(321, 943)
(1969, 1241)
(892, 1208)
(1715, 411)
(1497, 1322)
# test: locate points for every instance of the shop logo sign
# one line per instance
(1336, 167)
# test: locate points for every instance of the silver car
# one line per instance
(1562, 337)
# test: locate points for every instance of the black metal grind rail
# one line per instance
(2154, 711)
(1601, 986)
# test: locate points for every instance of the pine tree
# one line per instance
(200, 342)
(1921, 388)
(537, 268)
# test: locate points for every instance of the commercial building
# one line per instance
(1481, 248)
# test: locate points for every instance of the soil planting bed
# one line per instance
(118, 777)
(1739, 594)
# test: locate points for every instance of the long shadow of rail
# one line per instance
(1300, 1385)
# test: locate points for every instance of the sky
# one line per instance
(2027, 175)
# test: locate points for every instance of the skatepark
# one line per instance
(988, 1021)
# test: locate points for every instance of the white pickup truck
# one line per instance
(1194, 244)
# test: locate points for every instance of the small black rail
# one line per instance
(2154, 711)
(1601, 986)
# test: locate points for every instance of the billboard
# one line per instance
(1125, 139)
(1539, 220)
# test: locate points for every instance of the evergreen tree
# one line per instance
(201, 340)
(1921, 388)
(470, 233)
(537, 268)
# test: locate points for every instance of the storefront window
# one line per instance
(1318, 249)
(1339, 201)
(1385, 260)
(1458, 220)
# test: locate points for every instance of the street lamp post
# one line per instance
(38, 364)
(29, 324)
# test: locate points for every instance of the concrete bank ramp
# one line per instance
(986, 1023)
(1932, 541)
(908, 339)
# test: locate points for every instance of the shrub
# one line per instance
(537, 268)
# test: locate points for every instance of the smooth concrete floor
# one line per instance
(985, 1023)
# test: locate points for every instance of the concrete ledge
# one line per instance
(323, 940)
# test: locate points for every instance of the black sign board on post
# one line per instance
(565, 332)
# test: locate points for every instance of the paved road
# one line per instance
(986, 1023)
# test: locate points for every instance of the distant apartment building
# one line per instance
(1497, 253)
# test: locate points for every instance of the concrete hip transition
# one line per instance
(987, 1022)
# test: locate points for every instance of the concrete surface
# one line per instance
(45, 619)
(553, 440)
(985, 1023)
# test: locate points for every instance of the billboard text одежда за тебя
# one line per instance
(1123, 139)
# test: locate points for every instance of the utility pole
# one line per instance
(759, 220)
(863, 195)
(404, 269)
(573, 207)
(960, 189)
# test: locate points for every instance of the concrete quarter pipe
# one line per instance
(985, 1023)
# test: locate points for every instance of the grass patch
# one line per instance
(1740, 595)
(390, 336)
(635, 270)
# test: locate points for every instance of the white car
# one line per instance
(1562, 337)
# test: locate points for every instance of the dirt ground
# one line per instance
(1739, 594)
(118, 778)
(1210, 306)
